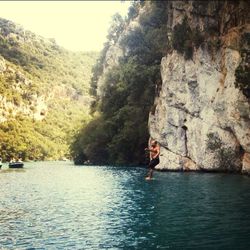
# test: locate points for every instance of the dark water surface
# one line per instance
(59, 206)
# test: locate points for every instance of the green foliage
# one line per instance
(214, 142)
(94, 141)
(44, 61)
(197, 38)
(225, 155)
(149, 43)
(21, 139)
(134, 9)
(182, 39)
(242, 73)
(116, 28)
(34, 140)
(155, 17)
(133, 12)
(97, 69)
(185, 39)
(242, 80)
(226, 158)
(37, 67)
(120, 133)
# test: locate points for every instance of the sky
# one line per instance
(75, 25)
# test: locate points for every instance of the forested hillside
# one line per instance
(175, 71)
(125, 87)
(44, 94)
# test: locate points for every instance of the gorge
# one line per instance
(198, 106)
(43, 94)
(174, 71)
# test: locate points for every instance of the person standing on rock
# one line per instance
(154, 152)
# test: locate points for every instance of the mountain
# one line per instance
(44, 94)
(177, 72)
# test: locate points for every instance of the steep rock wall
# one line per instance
(201, 119)
(34, 107)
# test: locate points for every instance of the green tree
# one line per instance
(120, 133)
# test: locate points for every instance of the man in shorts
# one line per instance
(154, 152)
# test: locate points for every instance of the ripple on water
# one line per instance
(59, 206)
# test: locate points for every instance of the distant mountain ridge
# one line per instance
(44, 85)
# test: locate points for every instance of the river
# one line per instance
(56, 205)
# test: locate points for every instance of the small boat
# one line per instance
(17, 164)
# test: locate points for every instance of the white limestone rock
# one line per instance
(201, 120)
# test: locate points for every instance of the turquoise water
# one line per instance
(60, 206)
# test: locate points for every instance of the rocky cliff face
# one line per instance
(32, 104)
(202, 116)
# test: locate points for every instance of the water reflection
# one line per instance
(57, 205)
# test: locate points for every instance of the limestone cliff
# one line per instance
(31, 104)
(201, 116)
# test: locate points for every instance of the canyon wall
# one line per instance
(201, 116)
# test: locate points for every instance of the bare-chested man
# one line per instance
(154, 151)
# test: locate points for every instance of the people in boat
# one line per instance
(20, 160)
(12, 160)
(154, 152)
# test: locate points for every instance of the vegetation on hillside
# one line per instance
(119, 133)
(39, 67)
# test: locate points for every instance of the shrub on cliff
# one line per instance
(184, 39)
(242, 73)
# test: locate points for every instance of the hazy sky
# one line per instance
(76, 25)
